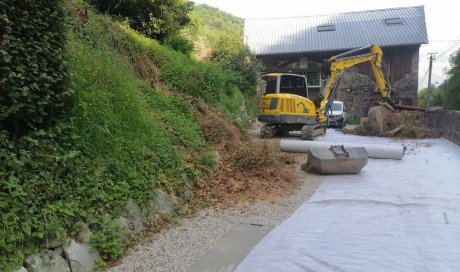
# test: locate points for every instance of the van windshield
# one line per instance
(336, 107)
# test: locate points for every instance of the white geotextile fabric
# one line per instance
(394, 216)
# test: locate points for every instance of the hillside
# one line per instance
(214, 22)
(138, 123)
(211, 25)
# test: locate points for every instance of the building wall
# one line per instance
(357, 87)
(401, 64)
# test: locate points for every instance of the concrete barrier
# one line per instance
(445, 122)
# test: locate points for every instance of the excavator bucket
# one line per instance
(335, 160)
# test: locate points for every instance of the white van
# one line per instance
(336, 114)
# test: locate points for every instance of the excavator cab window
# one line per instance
(293, 84)
(269, 84)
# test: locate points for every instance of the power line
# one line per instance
(448, 49)
(449, 46)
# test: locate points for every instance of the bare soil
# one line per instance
(251, 169)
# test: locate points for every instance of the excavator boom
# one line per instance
(337, 64)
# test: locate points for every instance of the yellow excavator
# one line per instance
(285, 106)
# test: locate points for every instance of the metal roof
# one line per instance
(337, 31)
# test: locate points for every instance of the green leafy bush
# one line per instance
(436, 96)
(36, 191)
(179, 44)
(183, 74)
(233, 54)
(107, 238)
(156, 19)
(33, 72)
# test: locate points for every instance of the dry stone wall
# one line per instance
(447, 123)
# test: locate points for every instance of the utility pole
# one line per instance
(428, 91)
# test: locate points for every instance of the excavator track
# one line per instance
(267, 131)
(271, 130)
(311, 132)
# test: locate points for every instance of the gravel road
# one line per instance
(178, 248)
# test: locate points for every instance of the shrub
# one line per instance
(179, 44)
(233, 54)
(156, 19)
(33, 71)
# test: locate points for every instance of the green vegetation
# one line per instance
(124, 133)
(212, 23)
(208, 81)
(436, 97)
(157, 19)
(234, 55)
(218, 38)
(353, 120)
(451, 89)
(447, 94)
(33, 72)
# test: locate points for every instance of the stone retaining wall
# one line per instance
(446, 122)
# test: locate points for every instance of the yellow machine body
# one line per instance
(289, 105)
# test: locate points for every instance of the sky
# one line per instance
(442, 20)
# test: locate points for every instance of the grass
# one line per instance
(353, 120)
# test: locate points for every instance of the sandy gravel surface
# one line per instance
(178, 248)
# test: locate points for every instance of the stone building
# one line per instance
(301, 44)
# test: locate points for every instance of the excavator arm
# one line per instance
(337, 64)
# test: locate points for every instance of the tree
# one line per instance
(451, 92)
(157, 19)
(436, 96)
(233, 54)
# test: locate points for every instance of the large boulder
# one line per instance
(51, 242)
(162, 203)
(134, 216)
(54, 263)
(188, 193)
(85, 234)
(216, 164)
(81, 257)
(376, 117)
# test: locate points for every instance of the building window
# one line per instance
(393, 21)
(323, 28)
(314, 79)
